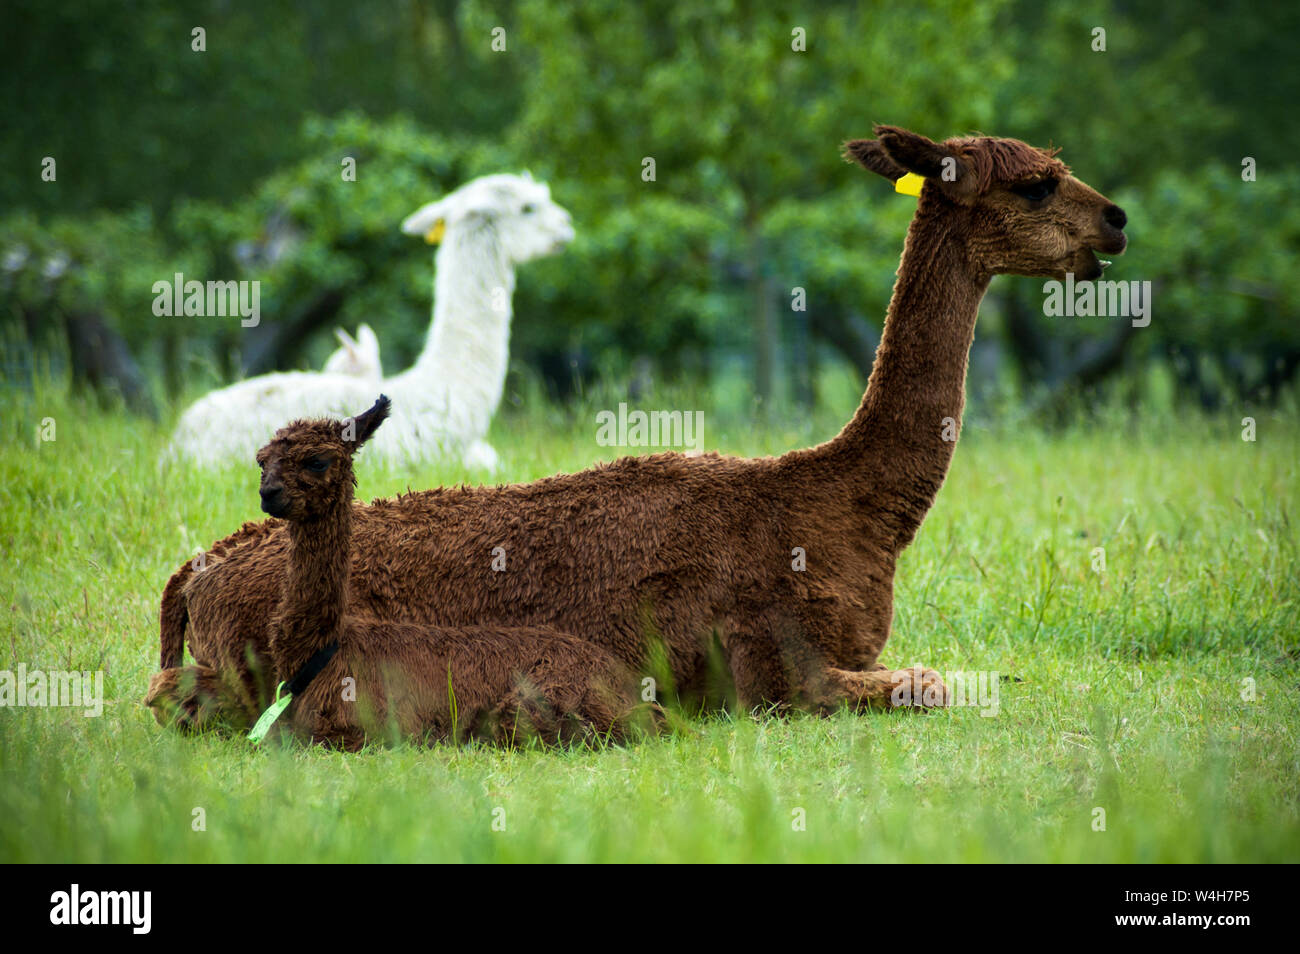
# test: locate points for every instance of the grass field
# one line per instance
(1162, 690)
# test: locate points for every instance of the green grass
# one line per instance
(1122, 690)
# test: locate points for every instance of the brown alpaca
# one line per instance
(361, 678)
(695, 553)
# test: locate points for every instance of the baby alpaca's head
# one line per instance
(307, 466)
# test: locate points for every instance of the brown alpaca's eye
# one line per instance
(318, 465)
(1035, 191)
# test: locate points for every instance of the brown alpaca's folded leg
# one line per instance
(774, 665)
(915, 688)
(198, 699)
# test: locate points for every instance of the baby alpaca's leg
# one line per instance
(196, 699)
(590, 698)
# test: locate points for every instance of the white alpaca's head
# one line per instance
(528, 223)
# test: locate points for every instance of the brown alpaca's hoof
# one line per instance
(919, 688)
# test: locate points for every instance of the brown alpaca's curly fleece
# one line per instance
(385, 680)
(685, 560)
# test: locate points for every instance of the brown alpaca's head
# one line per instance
(1017, 206)
(307, 466)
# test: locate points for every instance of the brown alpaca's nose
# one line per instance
(1115, 216)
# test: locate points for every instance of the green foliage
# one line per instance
(1239, 281)
(226, 164)
(102, 263)
(307, 230)
(133, 113)
(640, 279)
(738, 122)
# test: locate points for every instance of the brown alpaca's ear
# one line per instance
(359, 429)
(914, 153)
(869, 154)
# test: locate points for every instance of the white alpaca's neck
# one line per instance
(466, 354)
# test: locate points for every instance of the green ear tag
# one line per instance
(270, 715)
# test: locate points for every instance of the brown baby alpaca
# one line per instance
(497, 683)
(694, 554)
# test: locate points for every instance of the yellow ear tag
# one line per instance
(435, 234)
(909, 184)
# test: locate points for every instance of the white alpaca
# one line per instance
(358, 356)
(442, 404)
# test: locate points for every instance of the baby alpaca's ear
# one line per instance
(358, 430)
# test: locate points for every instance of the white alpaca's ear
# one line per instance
(367, 343)
(429, 221)
(344, 359)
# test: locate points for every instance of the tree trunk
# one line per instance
(1042, 360)
(275, 345)
(100, 357)
(801, 358)
(764, 321)
(848, 333)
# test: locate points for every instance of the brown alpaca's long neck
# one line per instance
(314, 597)
(897, 448)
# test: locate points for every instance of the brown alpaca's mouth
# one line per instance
(1083, 265)
(1093, 267)
(1087, 266)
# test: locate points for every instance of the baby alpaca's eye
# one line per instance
(318, 465)
(528, 209)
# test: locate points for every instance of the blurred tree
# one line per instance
(133, 113)
(742, 107)
(212, 164)
(1162, 119)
